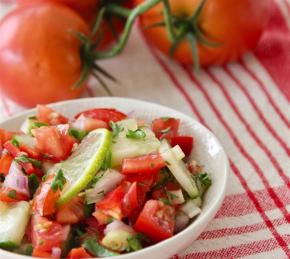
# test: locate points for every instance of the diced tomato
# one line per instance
(165, 127)
(101, 217)
(12, 149)
(111, 204)
(5, 136)
(159, 193)
(5, 163)
(146, 180)
(8, 194)
(104, 114)
(88, 124)
(45, 198)
(54, 141)
(156, 220)
(185, 143)
(71, 212)
(40, 253)
(47, 234)
(78, 253)
(31, 152)
(147, 164)
(131, 199)
(94, 227)
(50, 116)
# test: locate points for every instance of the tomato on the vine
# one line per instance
(230, 27)
(110, 27)
(40, 54)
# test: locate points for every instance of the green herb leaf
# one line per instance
(136, 134)
(134, 243)
(15, 142)
(205, 180)
(107, 161)
(166, 201)
(165, 176)
(32, 117)
(12, 194)
(25, 159)
(77, 134)
(8, 245)
(38, 124)
(96, 249)
(116, 128)
(58, 181)
(33, 184)
(171, 195)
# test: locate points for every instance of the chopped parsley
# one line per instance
(77, 134)
(12, 194)
(15, 142)
(32, 183)
(107, 161)
(166, 201)
(58, 181)
(134, 243)
(96, 249)
(204, 179)
(116, 128)
(136, 134)
(25, 159)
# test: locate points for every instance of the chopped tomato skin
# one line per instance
(8, 194)
(5, 136)
(50, 116)
(165, 128)
(111, 204)
(5, 163)
(156, 220)
(147, 164)
(78, 253)
(47, 234)
(54, 141)
(45, 198)
(41, 254)
(185, 143)
(71, 212)
(104, 114)
(12, 149)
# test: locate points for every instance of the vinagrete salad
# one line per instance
(100, 185)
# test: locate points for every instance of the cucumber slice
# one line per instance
(84, 163)
(13, 221)
(179, 170)
(124, 147)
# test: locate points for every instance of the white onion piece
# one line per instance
(17, 180)
(118, 225)
(179, 154)
(181, 221)
(176, 196)
(190, 209)
(107, 183)
(55, 252)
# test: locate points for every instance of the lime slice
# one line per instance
(84, 163)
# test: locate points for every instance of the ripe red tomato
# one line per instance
(5, 163)
(235, 26)
(45, 198)
(47, 234)
(40, 54)
(185, 143)
(148, 164)
(4, 136)
(88, 10)
(104, 114)
(71, 212)
(50, 116)
(8, 194)
(54, 141)
(78, 253)
(156, 220)
(165, 127)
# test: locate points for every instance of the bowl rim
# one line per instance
(202, 219)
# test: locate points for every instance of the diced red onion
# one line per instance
(181, 221)
(107, 183)
(17, 180)
(79, 123)
(118, 225)
(55, 252)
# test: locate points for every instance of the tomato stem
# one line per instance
(133, 15)
(168, 21)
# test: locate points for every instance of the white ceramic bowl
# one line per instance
(207, 151)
